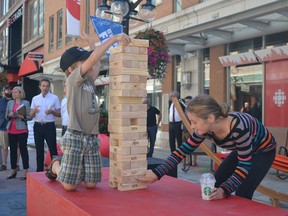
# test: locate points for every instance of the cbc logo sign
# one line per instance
(279, 97)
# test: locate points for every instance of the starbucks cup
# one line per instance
(207, 182)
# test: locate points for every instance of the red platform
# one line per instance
(170, 196)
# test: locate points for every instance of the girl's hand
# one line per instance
(150, 177)
(217, 193)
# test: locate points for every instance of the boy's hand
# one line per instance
(87, 38)
(123, 38)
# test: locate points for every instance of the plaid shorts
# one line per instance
(81, 158)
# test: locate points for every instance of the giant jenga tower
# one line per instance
(127, 115)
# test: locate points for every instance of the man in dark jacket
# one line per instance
(7, 95)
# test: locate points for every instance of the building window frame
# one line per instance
(51, 33)
(41, 18)
(59, 28)
(36, 19)
(4, 44)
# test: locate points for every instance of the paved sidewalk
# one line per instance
(13, 191)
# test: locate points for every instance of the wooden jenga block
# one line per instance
(128, 78)
(127, 172)
(128, 93)
(130, 179)
(121, 143)
(136, 46)
(128, 122)
(125, 100)
(126, 129)
(126, 49)
(129, 86)
(128, 71)
(129, 64)
(126, 165)
(112, 183)
(128, 187)
(124, 151)
(139, 43)
(118, 157)
(128, 56)
(118, 115)
(129, 136)
(127, 107)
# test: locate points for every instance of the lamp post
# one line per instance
(126, 9)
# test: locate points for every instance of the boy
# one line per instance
(81, 157)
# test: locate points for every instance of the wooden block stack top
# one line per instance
(127, 115)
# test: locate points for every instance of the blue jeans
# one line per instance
(152, 132)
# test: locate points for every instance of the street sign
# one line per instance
(35, 56)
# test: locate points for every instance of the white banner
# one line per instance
(73, 17)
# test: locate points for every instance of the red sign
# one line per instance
(276, 97)
(35, 56)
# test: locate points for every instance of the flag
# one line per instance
(73, 17)
(105, 29)
(276, 96)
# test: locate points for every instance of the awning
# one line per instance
(51, 77)
(239, 59)
(30, 66)
(275, 53)
(264, 55)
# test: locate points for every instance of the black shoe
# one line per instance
(12, 176)
(52, 176)
(3, 167)
(23, 178)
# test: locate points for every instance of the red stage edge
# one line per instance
(169, 196)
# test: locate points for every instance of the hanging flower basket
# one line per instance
(158, 56)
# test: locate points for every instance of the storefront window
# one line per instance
(246, 86)
(154, 92)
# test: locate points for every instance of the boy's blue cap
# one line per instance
(72, 55)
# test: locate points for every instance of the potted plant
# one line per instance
(158, 56)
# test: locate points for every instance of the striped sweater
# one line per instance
(248, 136)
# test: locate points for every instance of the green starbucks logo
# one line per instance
(207, 191)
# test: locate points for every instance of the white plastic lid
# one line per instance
(207, 177)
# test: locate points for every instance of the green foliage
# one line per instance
(103, 122)
(3, 80)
